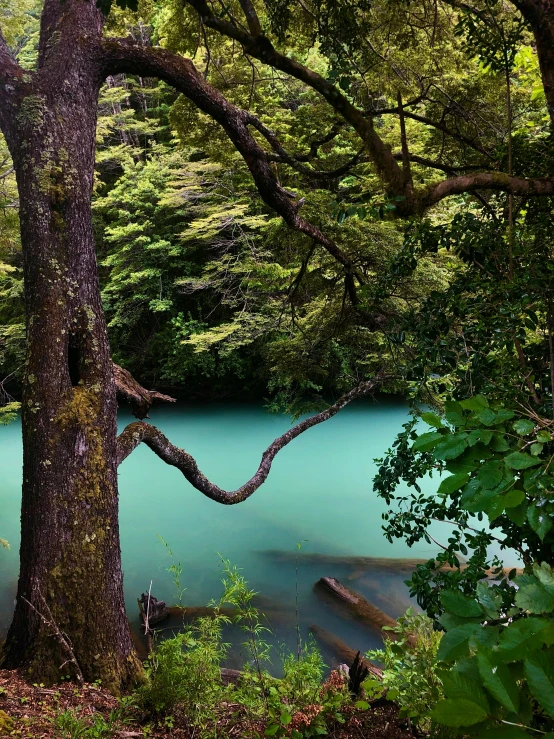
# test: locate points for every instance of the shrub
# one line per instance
(411, 674)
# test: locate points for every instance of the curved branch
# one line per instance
(498, 181)
(122, 55)
(261, 48)
(140, 432)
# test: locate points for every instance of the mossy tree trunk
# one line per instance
(70, 553)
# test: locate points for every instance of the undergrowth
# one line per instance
(184, 675)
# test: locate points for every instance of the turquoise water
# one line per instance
(318, 494)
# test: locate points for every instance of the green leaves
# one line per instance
(539, 674)
(454, 602)
(432, 420)
(450, 447)
(536, 591)
(520, 461)
(427, 441)
(519, 637)
(499, 642)
(458, 712)
(450, 484)
(523, 426)
(455, 643)
(499, 682)
(539, 520)
(535, 598)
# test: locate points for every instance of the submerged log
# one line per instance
(359, 606)
(191, 612)
(359, 565)
(342, 651)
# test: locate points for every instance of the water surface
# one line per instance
(318, 494)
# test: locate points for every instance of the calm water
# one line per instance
(319, 493)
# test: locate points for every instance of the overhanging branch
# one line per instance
(261, 48)
(497, 181)
(122, 55)
(119, 55)
(140, 432)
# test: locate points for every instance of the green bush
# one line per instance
(410, 672)
(497, 653)
(184, 671)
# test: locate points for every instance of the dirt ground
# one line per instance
(29, 711)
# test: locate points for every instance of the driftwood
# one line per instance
(133, 393)
(358, 606)
(491, 572)
(342, 651)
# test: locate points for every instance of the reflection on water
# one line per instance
(318, 494)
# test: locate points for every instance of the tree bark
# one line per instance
(70, 552)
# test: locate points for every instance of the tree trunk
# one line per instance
(70, 554)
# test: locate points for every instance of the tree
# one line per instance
(71, 580)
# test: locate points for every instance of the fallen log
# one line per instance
(359, 607)
(358, 565)
(490, 573)
(342, 651)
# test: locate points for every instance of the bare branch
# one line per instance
(48, 620)
(140, 432)
(138, 397)
(434, 124)
(441, 166)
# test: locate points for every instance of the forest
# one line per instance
(300, 205)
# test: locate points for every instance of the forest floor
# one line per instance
(69, 711)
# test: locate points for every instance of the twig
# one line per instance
(147, 631)
(64, 642)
